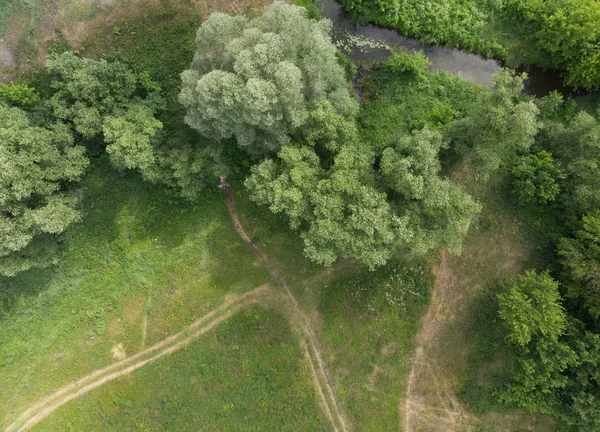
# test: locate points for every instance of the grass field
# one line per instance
(138, 253)
(247, 374)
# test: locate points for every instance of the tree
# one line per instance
(439, 212)
(256, 80)
(339, 211)
(567, 33)
(347, 209)
(100, 97)
(499, 126)
(352, 218)
(577, 146)
(531, 312)
(581, 259)
(36, 202)
(536, 178)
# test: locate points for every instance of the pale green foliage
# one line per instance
(35, 165)
(439, 212)
(342, 214)
(499, 125)
(129, 137)
(352, 218)
(85, 90)
(287, 185)
(255, 80)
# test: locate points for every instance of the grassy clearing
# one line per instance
(138, 252)
(247, 374)
(365, 321)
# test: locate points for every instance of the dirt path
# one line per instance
(430, 398)
(315, 356)
(169, 345)
(261, 295)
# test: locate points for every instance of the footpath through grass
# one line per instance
(365, 321)
(247, 374)
(139, 256)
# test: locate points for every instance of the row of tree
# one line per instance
(552, 318)
(275, 85)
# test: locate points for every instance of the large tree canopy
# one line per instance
(101, 97)
(255, 80)
(36, 166)
(351, 210)
(498, 126)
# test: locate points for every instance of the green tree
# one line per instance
(36, 203)
(347, 209)
(581, 258)
(577, 146)
(18, 94)
(439, 211)
(256, 80)
(352, 218)
(536, 178)
(101, 98)
(531, 311)
(567, 32)
(499, 125)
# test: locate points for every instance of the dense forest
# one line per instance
(269, 102)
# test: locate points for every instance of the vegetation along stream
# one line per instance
(369, 43)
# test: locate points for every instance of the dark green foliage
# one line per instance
(499, 125)
(454, 22)
(531, 311)
(581, 259)
(566, 31)
(577, 146)
(537, 178)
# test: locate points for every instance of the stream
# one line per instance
(369, 43)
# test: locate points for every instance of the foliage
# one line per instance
(455, 22)
(577, 146)
(581, 259)
(343, 213)
(439, 212)
(38, 163)
(255, 80)
(400, 63)
(568, 31)
(530, 309)
(352, 211)
(102, 98)
(20, 95)
(129, 137)
(498, 126)
(536, 178)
